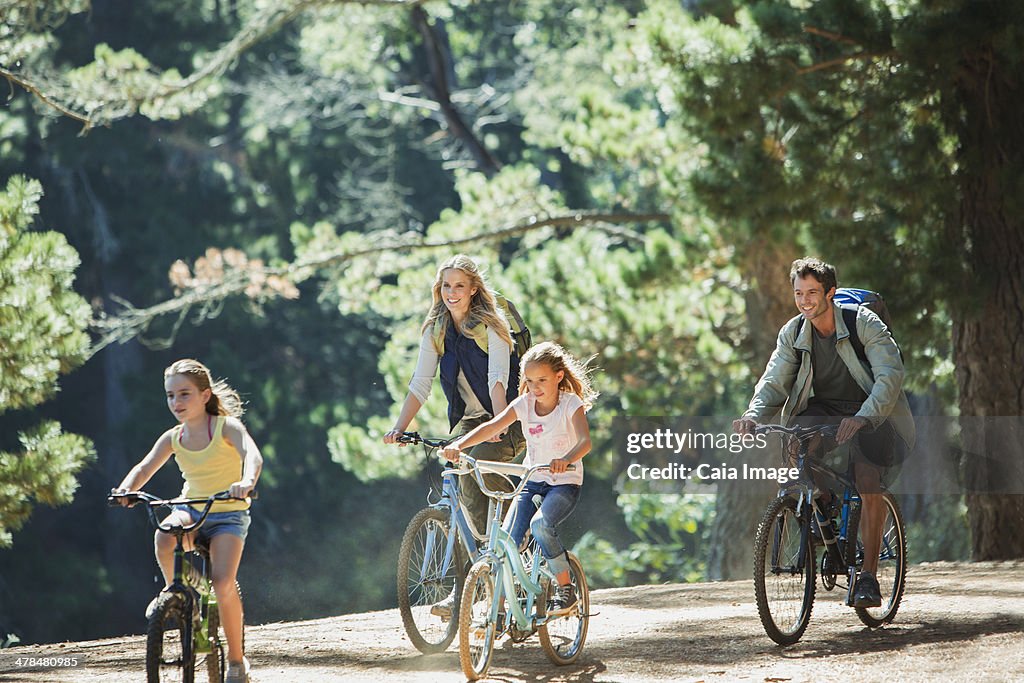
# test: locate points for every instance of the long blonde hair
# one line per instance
(223, 400)
(483, 307)
(576, 375)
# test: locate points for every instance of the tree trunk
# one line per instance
(765, 265)
(988, 331)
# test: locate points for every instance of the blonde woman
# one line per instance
(468, 338)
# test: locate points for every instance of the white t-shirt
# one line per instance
(549, 436)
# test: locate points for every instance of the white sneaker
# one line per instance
(238, 672)
(444, 608)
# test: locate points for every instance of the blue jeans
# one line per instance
(559, 502)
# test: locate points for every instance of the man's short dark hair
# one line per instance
(825, 273)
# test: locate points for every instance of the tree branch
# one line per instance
(263, 25)
(485, 161)
(131, 322)
(14, 79)
(839, 38)
(839, 61)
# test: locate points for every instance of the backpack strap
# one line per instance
(850, 318)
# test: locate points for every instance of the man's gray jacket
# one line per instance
(786, 382)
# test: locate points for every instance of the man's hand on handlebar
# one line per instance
(744, 425)
(849, 427)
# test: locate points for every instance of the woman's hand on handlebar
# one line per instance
(121, 497)
(392, 436)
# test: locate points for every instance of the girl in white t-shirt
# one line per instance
(555, 394)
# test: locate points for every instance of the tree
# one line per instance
(885, 133)
(42, 324)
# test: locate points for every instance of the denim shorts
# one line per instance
(217, 523)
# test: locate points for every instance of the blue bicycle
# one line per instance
(437, 547)
(507, 591)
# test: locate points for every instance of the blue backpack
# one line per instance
(849, 299)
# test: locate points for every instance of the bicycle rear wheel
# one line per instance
(170, 654)
(424, 580)
(892, 567)
(783, 580)
(477, 630)
(562, 638)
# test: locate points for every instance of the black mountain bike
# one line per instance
(185, 621)
(794, 525)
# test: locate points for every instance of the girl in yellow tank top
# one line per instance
(215, 453)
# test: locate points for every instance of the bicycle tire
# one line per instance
(420, 588)
(170, 653)
(892, 567)
(476, 630)
(784, 594)
(562, 639)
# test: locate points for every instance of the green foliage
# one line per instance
(44, 471)
(42, 319)
(673, 530)
(42, 323)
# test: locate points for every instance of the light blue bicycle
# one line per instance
(507, 593)
(437, 547)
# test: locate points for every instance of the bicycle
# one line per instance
(437, 547)
(501, 577)
(185, 620)
(785, 557)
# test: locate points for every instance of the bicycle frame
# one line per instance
(199, 595)
(803, 490)
(504, 553)
(449, 501)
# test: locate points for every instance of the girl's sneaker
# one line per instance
(238, 672)
(564, 598)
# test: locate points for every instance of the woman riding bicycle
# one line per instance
(215, 453)
(466, 335)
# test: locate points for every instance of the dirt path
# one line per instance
(958, 622)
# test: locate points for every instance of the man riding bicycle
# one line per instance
(815, 376)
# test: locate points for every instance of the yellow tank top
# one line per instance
(211, 470)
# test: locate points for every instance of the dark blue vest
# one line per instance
(463, 353)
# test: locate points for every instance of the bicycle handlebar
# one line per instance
(801, 433)
(477, 467)
(415, 438)
(155, 502)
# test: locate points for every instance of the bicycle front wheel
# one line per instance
(428, 586)
(477, 630)
(170, 654)
(783, 578)
(563, 637)
(892, 567)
